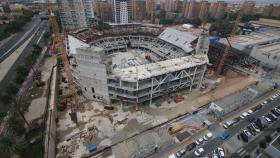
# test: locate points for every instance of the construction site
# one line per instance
(136, 90)
(134, 86)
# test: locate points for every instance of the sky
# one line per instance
(257, 1)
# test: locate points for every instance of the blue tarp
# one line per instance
(214, 38)
(92, 148)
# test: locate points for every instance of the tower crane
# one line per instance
(229, 39)
(58, 46)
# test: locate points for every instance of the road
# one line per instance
(10, 45)
(251, 146)
(36, 38)
(216, 142)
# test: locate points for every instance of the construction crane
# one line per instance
(58, 46)
(229, 39)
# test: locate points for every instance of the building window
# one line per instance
(92, 89)
(85, 88)
(94, 96)
(98, 97)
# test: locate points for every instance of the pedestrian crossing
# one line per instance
(242, 152)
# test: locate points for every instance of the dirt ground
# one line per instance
(229, 86)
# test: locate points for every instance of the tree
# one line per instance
(10, 145)
(263, 144)
(268, 138)
(196, 22)
(22, 70)
(16, 125)
(278, 129)
(19, 79)
(247, 156)
(6, 98)
(222, 28)
(12, 88)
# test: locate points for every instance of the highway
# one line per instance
(36, 36)
(9, 46)
(216, 142)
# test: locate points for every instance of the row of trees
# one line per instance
(15, 142)
(15, 26)
(21, 73)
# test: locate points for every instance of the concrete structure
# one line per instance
(204, 10)
(104, 10)
(138, 10)
(249, 7)
(193, 10)
(76, 14)
(122, 11)
(266, 23)
(138, 64)
(271, 10)
(217, 10)
(169, 5)
(263, 46)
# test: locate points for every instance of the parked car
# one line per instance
(199, 152)
(215, 154)
(271, 117)
(277, 110)
(251, 130)
(181, 153)
(208, 136)
(247, 133)
(273, 111)
(250, 118)
(190, 146)
(257, 129)
(244, 115)
(250, 112)
(199, 141)
(264, 103)
(267, 119)
(244, 137)
(224, 136)
(221, 152)
(172, 156)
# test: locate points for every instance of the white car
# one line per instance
(199, 141)
(227, 124)
(208, 136)
(244, 115)
(250, 112)
(265, 102)
(256, 127)
(268, 120)
(199, 152)
(172, 156)
(221, 152)
(247, 133)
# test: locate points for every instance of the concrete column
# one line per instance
(202, 75)
(193, 78)
(151, 93)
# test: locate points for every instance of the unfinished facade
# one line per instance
(138, 64)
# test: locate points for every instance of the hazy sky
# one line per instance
(257, 1)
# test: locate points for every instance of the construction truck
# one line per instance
(176, 128)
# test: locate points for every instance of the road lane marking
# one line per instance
(40, 37)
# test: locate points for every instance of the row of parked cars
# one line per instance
(256, 126)
(193, 145)
(248, 114)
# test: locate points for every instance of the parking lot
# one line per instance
(249, 126)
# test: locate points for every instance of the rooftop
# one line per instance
(178, 38)
(272, 49)
(132, 74)
(253, 39)
(267, 22)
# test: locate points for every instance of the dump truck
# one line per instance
(176, 128)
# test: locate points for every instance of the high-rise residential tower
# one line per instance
(122, 11)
